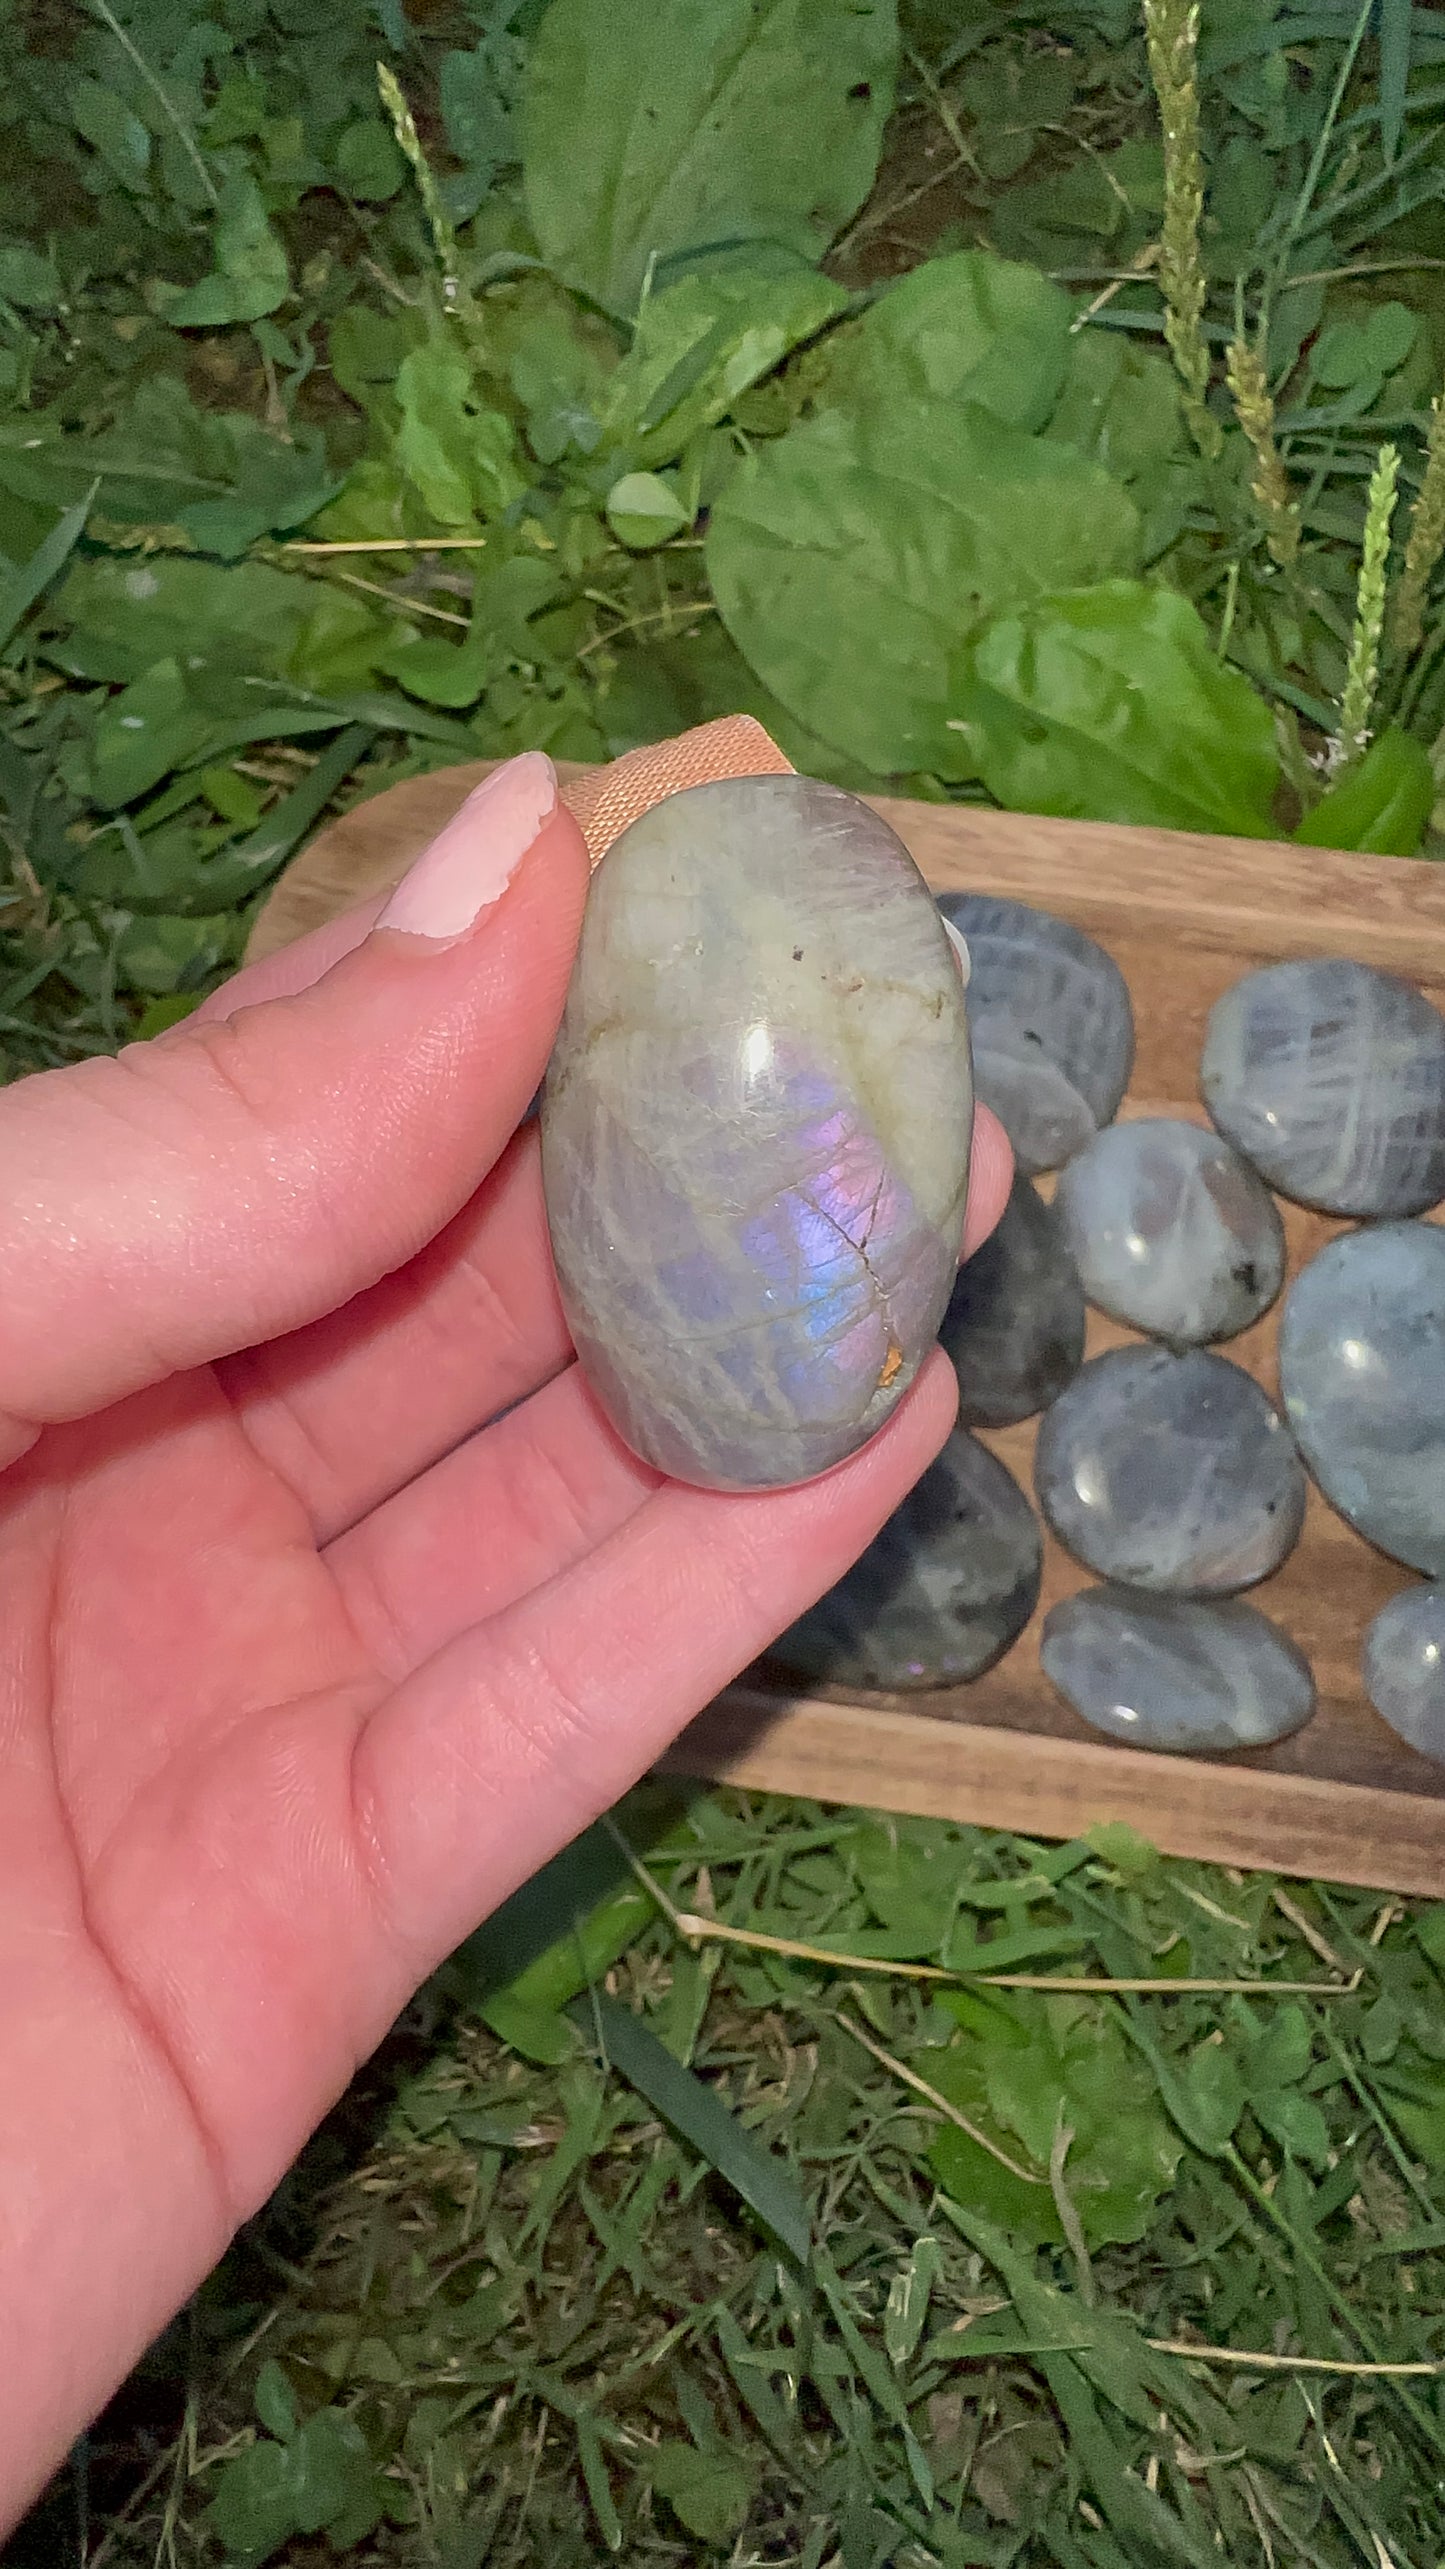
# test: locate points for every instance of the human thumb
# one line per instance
(246, 1172)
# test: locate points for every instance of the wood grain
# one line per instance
(1183, 916)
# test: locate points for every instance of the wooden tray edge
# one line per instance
(1299, 1825)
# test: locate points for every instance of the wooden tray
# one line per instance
(1183, 916)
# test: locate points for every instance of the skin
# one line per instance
(303, 1666)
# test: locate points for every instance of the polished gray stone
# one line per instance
(1014, 1328)
(1168, 1472)
(1053, 1030)
(1362, 1372)
(1330, 1077)
(1172, 1231)
(1404, 1668)
(940, 1594)
(1169, 1673)
(755, 1130)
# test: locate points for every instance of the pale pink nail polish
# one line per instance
(471, 863)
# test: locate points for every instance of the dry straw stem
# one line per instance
(698, 1930)
(931, 2096)
(1425, 542)
(1172, 30)
(1269, 482)
(390, 544)
(1362, 671)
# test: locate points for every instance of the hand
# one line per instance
(302, 1675)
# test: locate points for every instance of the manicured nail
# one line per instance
(471, 863)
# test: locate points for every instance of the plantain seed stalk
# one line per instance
(1425, 542)
(1254, 408)
(1362, 670)
(455, 294)
(1172, 31)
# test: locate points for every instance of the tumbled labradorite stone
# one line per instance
(1172, 1231)
(1173, 1473)
(1014, 1327)
(1167, 1673)
(1404, 1667)
(940, 1594)
(1053, 1030)
(755, 1130)
(1362, 1373)
(1330, 1077)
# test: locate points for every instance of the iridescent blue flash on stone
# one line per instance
(756, 1129)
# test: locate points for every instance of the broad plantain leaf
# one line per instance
(701, 342)
(1110, 705)
(126, 614)
(969, 328)
(649, 132)
(852, 559)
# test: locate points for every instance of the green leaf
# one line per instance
(125, 614)
(253, 2511)
(457, 454)
(333, 2473)
(763, 2180)
(1297, 2123)
(709, 2493)
(1023, 2066)
(1211, 2097)
(275, 2401)
(440, 673)
(1381, 805)
(115, 132)
(28, 278)
(20, 588)
(250, 276)
(1110, 705)
(973, 327)
(852, 558)
(700, 343)
(1120, 403)
(154, 725)
(643, 510)
(652, 132)
(368, 163)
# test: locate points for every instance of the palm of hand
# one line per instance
(304, 1666)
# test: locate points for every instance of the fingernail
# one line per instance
(471, 863)
(961, 954)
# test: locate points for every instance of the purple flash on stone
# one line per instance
(756, 1130)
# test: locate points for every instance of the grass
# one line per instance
(637, 2242)
(832, 2325)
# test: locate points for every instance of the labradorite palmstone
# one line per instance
(1362, 1373)
(1014, 1327)
(1172, 1473)
(1330, 1077)
(939, 1595)
(1404, 1668)
(1168, 1673)
(755, 1131)
(1172, 1231)
(1053, 1028)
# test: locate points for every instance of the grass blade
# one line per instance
(764, 2183)
(1395, 31)
(24, 584)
